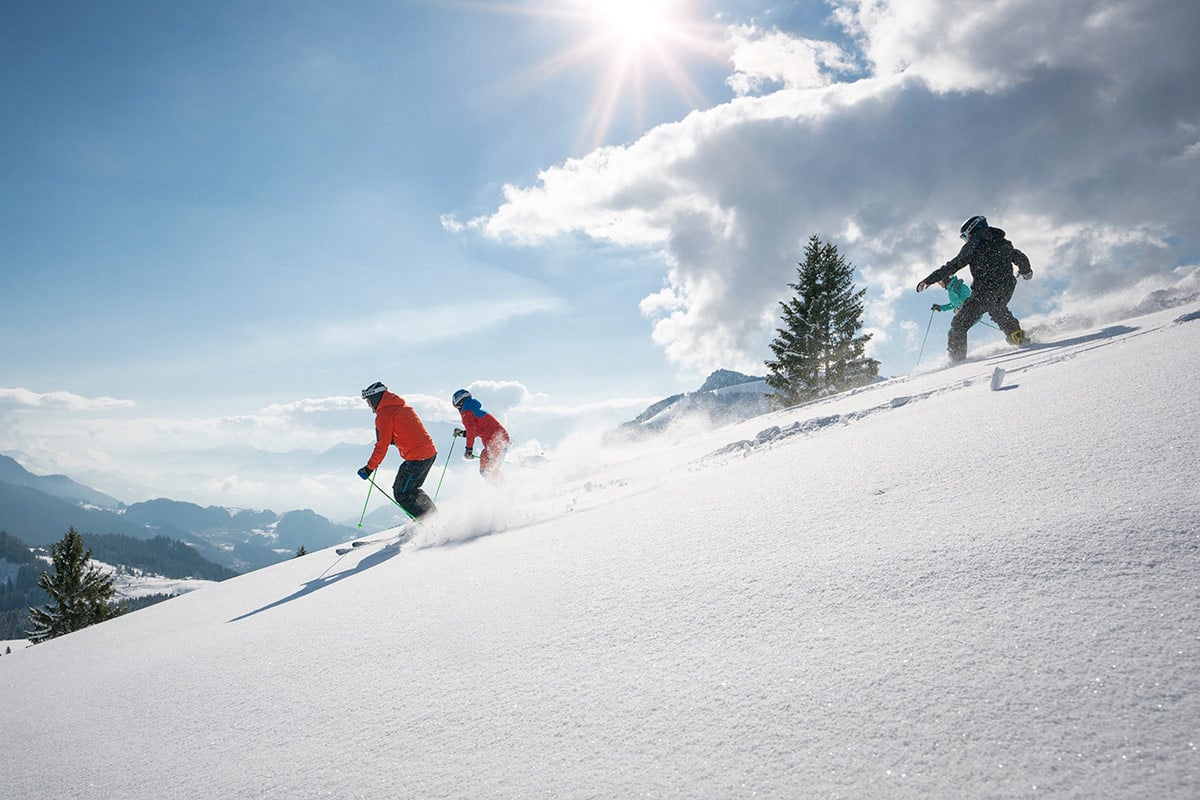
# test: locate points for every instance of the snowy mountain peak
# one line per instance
(723, 378)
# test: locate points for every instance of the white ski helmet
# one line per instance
(460, 397)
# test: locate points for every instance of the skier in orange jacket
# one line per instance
(396, 423)
(478, 423)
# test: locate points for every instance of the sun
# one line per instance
(630, 45)
(635, 22)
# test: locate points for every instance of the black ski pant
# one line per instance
(407, 488)
(990, 299)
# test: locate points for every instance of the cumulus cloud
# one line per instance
(773, 58)
(1076, 134)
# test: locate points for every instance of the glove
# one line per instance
(468, 455)
(365, 472)
(936, 307)
(922, 286)
(1027, 275)
(459, 432)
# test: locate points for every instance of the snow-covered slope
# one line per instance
(924, 588)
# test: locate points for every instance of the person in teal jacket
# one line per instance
(959, 292)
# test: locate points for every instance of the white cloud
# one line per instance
(315, 405)
(773, 58)
(964, 45)
(24, 398)
(1071, 133)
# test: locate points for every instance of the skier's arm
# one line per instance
(471, 427)
(953, 265)
(1022, 261)
(383, 437)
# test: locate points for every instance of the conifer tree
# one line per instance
(818, 350)
(80, 592)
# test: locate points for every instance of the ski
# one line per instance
(402, 538)
(341, 551)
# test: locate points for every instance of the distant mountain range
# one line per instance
(724, 398)
(38, 509)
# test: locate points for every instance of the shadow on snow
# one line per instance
(325, 579)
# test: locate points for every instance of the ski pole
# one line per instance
(923, 341)
(453, 439)
(364, 514)
(389, 497)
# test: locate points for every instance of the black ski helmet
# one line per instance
(374, 393)
(460, 397)
(977, 221)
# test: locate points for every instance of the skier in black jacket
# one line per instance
(991, 257)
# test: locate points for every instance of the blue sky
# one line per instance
(221, 220)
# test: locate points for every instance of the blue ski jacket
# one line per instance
(959, 292)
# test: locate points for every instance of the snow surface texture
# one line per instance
(921, 589)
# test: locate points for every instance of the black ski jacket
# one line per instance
(991, 257)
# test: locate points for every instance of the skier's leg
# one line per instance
(485, 461)
(968, 315)
(493, 458)
(997, 307)
(407, 488)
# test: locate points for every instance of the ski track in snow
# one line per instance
(1034, 357)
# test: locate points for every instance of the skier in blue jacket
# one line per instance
(958, 291)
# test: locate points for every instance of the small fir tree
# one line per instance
(819, 351)
(301, 552)
(80, 593)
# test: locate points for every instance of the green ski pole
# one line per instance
(389, 497)
(447, 464)
(364, 514)
(926, 339)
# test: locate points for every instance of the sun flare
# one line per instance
(632, 45)
(635, 22)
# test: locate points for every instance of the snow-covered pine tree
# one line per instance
(818, 350)
(80, 593)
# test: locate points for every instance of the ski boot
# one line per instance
(1018, 338)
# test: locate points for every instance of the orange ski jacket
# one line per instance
(396, 423)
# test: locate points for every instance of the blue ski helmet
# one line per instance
(977, 221)
(460, 397)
